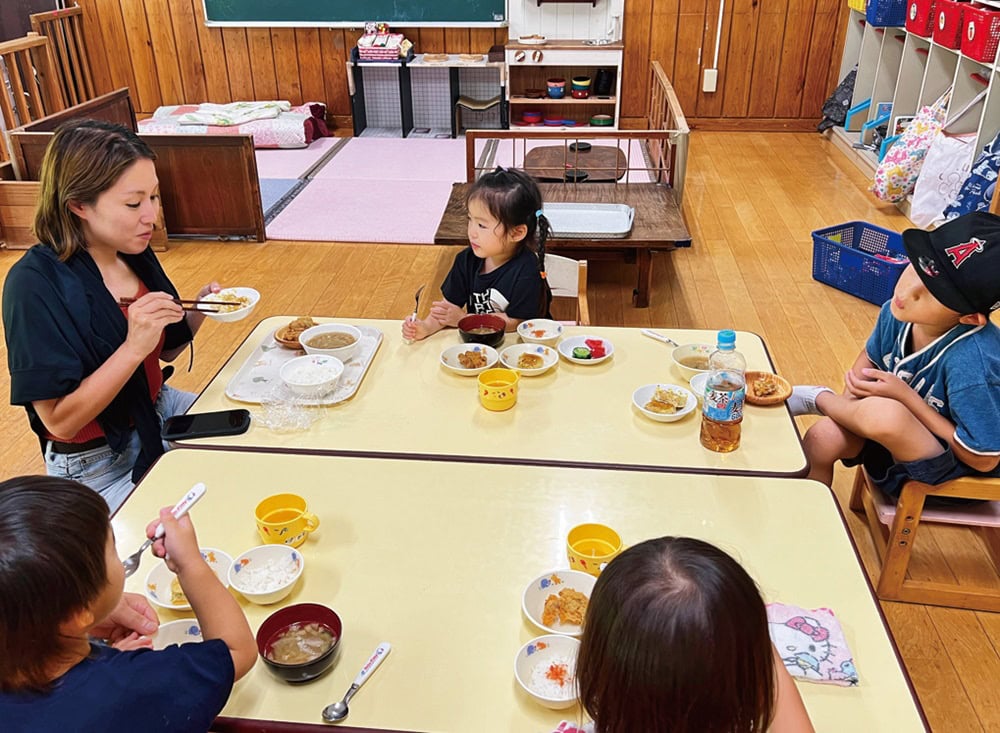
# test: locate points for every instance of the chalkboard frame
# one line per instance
(359, 24)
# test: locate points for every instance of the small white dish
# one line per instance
(449, 358)
(312, 375)
(645, 393)
(698, 384)
(540, 331)
(567, 345)
(181, 631)
(344, 353)
(538, 590)
(544, 650)
(160, 578)
(237, 314)
(510, 356)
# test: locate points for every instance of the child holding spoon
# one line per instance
(61, 580)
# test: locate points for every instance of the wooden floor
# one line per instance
(751, 201)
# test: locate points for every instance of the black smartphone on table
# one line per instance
(205, 424)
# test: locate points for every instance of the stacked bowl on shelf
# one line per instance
(556, 88)
(580, 87)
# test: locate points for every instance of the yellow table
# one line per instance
(409, 404)
(433, 557)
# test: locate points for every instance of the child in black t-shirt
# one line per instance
(503, 269)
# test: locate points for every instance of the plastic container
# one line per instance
(948, 23)
(981, 34)
(920, 17)
(859, 258)
(886, 12)
(725, 392)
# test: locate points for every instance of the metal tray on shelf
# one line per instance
(589, 221)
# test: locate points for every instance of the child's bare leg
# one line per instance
(825, 443)
(884, 420)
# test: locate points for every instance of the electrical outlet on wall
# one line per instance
(710, 80)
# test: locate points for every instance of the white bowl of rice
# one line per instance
(545, 668)
(266, 574)
(237, 304)
(313, 375)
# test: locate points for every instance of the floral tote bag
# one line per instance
(898, 171)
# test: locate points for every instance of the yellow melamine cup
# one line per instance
(282, 519)
(498, 389)
(592, 546)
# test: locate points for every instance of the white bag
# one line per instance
(946, 166)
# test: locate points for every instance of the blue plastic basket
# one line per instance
(844, 256)
(886, 12)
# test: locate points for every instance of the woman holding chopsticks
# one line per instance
(84, 365)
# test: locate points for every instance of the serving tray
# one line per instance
(257, 381)
(589, 221)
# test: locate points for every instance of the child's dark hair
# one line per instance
(675, 639)
(53, 542)
(512, 197)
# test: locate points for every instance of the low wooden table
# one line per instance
(433, 557)
(573, 415)
(659, 223)
(601, 163)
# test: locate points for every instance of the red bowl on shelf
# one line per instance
(556, 83)
(580, 93)
(531, 117)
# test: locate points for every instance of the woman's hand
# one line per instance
(194, 318)
(877, 383)
(447, 314)
(132, 617)
(147, 317)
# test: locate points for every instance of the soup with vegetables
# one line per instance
(695, 362)
(301, 643)
(333, 340)
(482, 330)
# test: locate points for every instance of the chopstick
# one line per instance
(187, 305)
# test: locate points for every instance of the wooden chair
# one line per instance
(65, 30)
(568, 279)
(894, 532)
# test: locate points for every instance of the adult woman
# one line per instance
(84, 367)
(676, 639)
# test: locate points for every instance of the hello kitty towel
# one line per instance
(811, 644)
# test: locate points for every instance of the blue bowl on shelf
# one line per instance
(557, 92)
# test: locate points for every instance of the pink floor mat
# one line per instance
(410, 159)
(374, 211)
(292, 163)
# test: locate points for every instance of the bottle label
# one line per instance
(724, 405)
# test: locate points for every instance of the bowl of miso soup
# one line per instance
(298, 643)
(331, 339)
(692, 359)
(482, 328)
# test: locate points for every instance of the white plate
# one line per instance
(159, 579)
(510, 355)
(567, 345)
(181, 631)
(539, 589)
(540, 331)
(236, 315)
(531, 41)
(645, 393)
(449, 358)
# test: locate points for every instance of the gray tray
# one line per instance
(589, 221)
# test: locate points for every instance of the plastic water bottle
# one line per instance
(722, 410)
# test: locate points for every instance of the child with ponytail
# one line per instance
(503, 269)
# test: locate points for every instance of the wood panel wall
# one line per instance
(778, 58)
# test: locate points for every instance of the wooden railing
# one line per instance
(665, 113)
(64, 29)
(34, 85)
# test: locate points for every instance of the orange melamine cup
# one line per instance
(592, 546)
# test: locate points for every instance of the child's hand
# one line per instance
(416, 330)
(877, 383)
(179, 545)
(447, 314)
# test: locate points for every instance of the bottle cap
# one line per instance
(727, 339)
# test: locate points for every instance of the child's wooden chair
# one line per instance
(568, 279)
(894, 532)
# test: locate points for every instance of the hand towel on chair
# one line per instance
(811, 644)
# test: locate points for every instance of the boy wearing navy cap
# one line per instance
(922, 400)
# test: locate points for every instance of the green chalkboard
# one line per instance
(355, 12)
